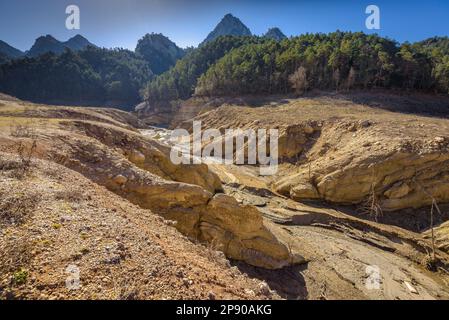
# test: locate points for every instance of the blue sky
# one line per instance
(120, 23)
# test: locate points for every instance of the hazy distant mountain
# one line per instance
(276, 34)
(229, 25)
(10, 52)
(159, 52)
(45, 44)
(49, 44)
(78, 42)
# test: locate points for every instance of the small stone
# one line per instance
(187, 282)
(171, 223)
(180, 273)
(65, 219)
(250, 292)
(365, 124)
(137, 157)
(367, 144)
(120, 179)
(211, 295)
(308, 129)
(264, 289)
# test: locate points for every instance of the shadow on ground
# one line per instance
(288, 282)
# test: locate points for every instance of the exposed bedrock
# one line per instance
(140, 171)
(399, 161)
(398, 174)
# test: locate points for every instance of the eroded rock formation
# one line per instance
(140, 171)
(350, 155)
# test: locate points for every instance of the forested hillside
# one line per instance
(337, 61)
(228, 65)
(180, 81)
(77, 72)
(89, 76)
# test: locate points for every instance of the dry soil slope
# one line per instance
(55, 214)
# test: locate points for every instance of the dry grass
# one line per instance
(17, 206)
(15, 259)
(70, 196)
(17, 254)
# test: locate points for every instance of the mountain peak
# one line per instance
(77, 42)
(228, 26)
(8, 51)
(48, 43)
(45, 44)
(229, 16)
(159, 51)
(48, 38)
(78, 38)
(275, 34)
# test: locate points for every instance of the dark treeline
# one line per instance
(340, 61)
(229, 65)
(92, 75)
(3, 58)
(180, 81)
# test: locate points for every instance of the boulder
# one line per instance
(303, 191)
(241, 234)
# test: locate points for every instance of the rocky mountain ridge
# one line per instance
(48, 43)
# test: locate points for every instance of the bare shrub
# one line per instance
(8, 164)
(214, 253)
(24, 165)
(22, 131)
(298, 80)
(16, 254)
(16, 206)
(371, 205)
(432, 261)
